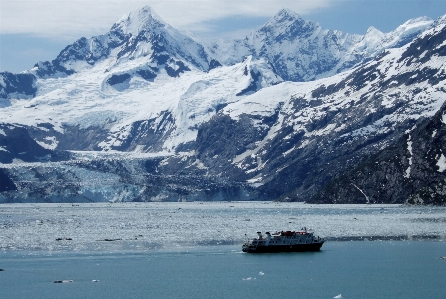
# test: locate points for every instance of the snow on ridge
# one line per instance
(340, 50)
(409, 149)
(438, 25)
(375, 41)
(136, 21)
(50, 143)
(441, 163)
(413, 25)
(192, 98)
(263, 102)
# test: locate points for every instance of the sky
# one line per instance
(37, 30)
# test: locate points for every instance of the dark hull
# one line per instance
(283, 248)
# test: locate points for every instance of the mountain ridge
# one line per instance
(124, 43)
(340, 50)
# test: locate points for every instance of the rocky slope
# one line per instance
(384, 99)
(411, 170)
(16, 86)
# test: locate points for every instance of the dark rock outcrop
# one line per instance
(410, 171)
(15, 143)
(17, 85)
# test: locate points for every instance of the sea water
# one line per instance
(193, 250)
(353, 269)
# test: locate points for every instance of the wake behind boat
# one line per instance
(284, 241)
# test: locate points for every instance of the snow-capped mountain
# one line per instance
(302, 50)
(412, 169)
(308, 133)
(140, 35)
(145, 112)
(298, 50)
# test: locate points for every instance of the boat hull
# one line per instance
(283, 248)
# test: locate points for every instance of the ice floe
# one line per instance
(176, 226)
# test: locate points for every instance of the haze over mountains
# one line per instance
(291, 112)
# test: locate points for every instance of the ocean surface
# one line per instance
(193, 250)
(352, 269)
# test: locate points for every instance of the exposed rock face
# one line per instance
(15, 143)
(6, 184)
(410, 171)
(18, 86)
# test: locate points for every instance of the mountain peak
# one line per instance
(286, 14)
(285, 18)
(373, 31)
(287, 24)
(136, 21)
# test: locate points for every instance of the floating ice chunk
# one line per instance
(63, 281)
(261, 273)
(93, 223)
(249, 278)
(338, 296)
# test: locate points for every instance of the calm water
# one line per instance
(355, 269)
